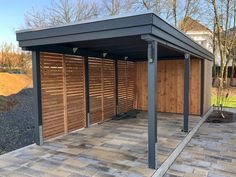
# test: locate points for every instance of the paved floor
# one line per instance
(210, 153)
(114, 148)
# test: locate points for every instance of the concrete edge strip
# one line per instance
(168, 162)
(17, 150)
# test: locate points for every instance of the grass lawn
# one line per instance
(230, 102)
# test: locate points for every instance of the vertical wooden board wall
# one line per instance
(170, 84)
(95, 89)
(207, 85)
(141, 85)
(74, 70)
(195, 86)
(109, 100)
(52, 94)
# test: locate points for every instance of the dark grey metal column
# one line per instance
(152, 116)
(86, 72)
(202, 86)
(186, 91)
(37, 98)
(116, 80)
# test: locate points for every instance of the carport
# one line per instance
(86, 73)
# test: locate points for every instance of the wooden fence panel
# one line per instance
(109, 100)
(52, 94)
(75, 95)
(122, 89)
(95, 89)
(131, 85)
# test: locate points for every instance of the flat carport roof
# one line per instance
(118, 37)
(137, 37)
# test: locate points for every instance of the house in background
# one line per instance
(198, 32)
(202, 35)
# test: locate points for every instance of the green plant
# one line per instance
(222, 97)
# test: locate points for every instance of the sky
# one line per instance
(12, 17)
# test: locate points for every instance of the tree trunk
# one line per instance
(232, 73)
(174, 12)
(226, 74)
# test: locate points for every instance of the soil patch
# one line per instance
(13, 83)
(218, 117)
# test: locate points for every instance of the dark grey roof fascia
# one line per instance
(172, 35)
(140, 24)
(93, 26)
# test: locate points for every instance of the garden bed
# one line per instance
(221, 117)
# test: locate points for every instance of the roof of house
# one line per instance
(189, 24)
(116, 36)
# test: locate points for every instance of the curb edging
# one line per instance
(168, 162)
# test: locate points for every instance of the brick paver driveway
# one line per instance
(114, 148)
(210, 153)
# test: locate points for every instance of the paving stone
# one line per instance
(114, 148)
(211, 152)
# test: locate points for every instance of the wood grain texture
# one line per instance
(207, 85)
(109, 99)
(170, 84)
(95, 89)
(126, 86)
(52, 89)
(75, 94)
(62, 82)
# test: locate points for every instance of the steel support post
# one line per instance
(186, 91)
(37, 97)
(152, 115)
(202, 85)
(86, 68)
(116, 85)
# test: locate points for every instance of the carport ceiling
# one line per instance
(117, 36)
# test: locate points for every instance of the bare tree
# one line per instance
(225, 33)
(174, 12)
(61, 12)
(36, 18)
(113, 7)
(86, 10)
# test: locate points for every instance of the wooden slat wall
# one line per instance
(52, 94)
(63, 99)
(170, 84)
(109, 100)
(207, 85)
(126, 86)
(122, 89)
(75, 92)
(131, 85)
(95, 89)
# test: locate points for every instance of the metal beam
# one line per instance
(186, 91)
(116, 80)
(81, 52)
(202, 86)
(37, 98)
(152, 115)
(86, 73)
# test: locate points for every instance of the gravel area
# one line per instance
(17, 124)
